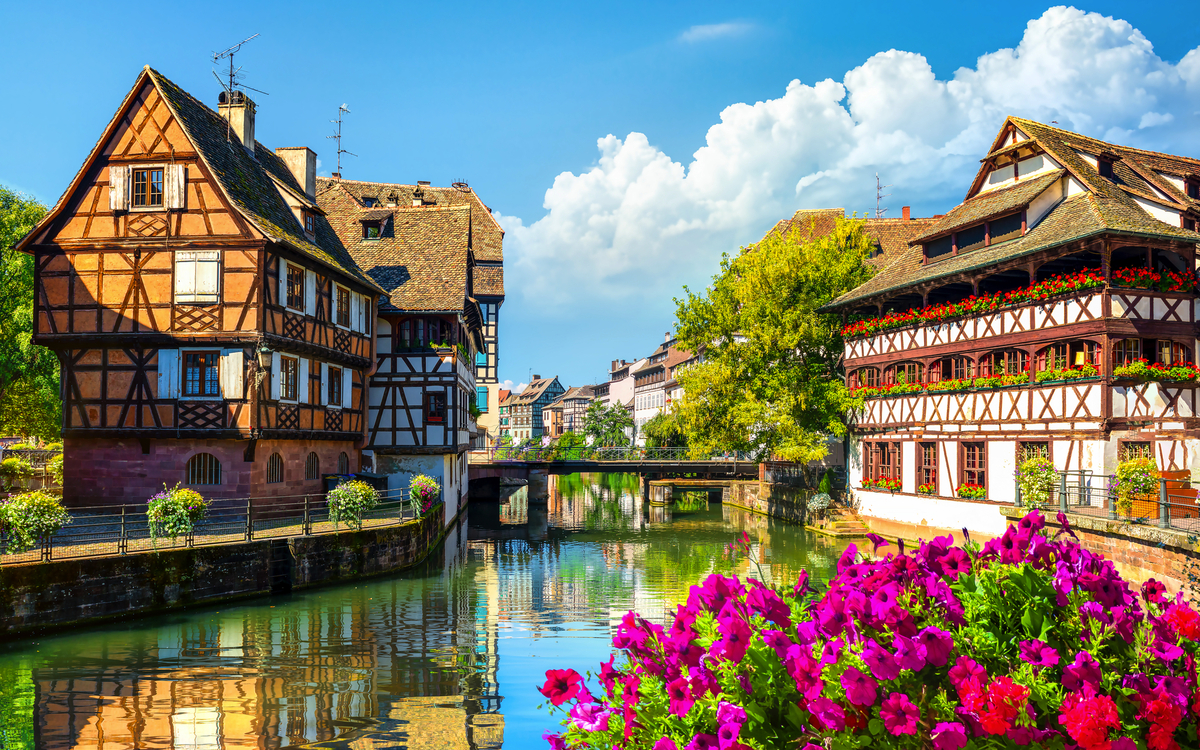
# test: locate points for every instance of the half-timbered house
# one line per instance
(1017, 323)
(190, 286)
(422, 245)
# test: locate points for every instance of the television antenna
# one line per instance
(879, 196)
(338, 137)
(233, 77)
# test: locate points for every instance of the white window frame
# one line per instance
(194, 258)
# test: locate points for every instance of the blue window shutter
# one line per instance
(481, 398)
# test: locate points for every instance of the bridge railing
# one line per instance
(623, 455)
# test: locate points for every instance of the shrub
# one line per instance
(425, 491)
(31, 517)
(1030, 641)
(1136, 477)
(54, 467)
(1036, 478)
(972, 491)
(13, 471)
(350, 501)
(54, 446)
(818, 502)
(174, 512)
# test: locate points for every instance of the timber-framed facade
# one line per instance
(1092, 249)
(188, 283)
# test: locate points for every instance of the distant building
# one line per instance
(650, 383)
(503, 429)
(525, 411)
(567, 412)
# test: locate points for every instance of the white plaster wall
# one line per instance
(908, 465)
(1089, 159)
(1075, 187)
(1164, 215)
(948, 467)
(1043, 203)
(1002, 462)
(930, 511)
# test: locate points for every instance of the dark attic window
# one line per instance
(1193, 187)
(1105, 167)
(1005, 228)
(972, 238)
(371, 230)
(368, 202)
(939, 247)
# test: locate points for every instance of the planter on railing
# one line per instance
(1141, 370)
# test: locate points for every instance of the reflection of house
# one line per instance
(423, 245)
(1043, 373)
(210, 327)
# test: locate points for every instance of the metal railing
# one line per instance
(105, 531)
(624, 455)
(1175, 504)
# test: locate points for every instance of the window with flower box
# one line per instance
(1032, 449)
(1008, 362)
(865, 377)
(951, 368)
(974, 464)
(1127, 351)
(1128, 450)
(882, 460)
(1172, 353)
(910, 373)
(1078, 358)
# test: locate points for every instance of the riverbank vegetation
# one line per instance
(769, 379)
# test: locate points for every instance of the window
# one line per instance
(1053, 357)
(295, 286)
(1004, 228)
(312, 466)
(343, 463)
(481, 399)
(275, 469)
(1193, 188)
(289, 370)
(904, 373)
(310, 222)
(971, 238)
(147, 188)
(480, 359)
(1028, 450)
(1010, 362)
(974, 464)
(1127, 351)
(953, 368)
(197, 275)
(1130, 449)
(883, 460)
(1105, 167)
(200, 374)
(1172, 353)
(371, 230)
(939, 247)
(867, 377)
(335, 386)
(203, 468)
(435, 407)
(927, 473)
(343, 307)
(368, 202)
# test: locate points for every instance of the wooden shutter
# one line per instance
(347, 384)
(168, 373)
(310, 292)
(276, 376)
(232, 368)
(208, 275)
(303, 387)
(174, 186)
(324, 394)
(118, 187)
(185, 276)
(283, 271)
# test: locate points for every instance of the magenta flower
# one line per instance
(877, 541)
(727, 735)
(1038, 653)
(910, 654)
(801, 587)
(703, 742)
(1084, 671)
(966, 669)
(949, 736)
(881, 663)
(829, 714)
(899, 714)
(860, 688)
(938, 645)
(590, 717)
(680, 696)
(555, 741)
(561, 685)
(735, 641)
(666, 743)
(728, 713)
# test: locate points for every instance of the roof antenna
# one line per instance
(879, 196)
(233, 76)
(338, 137)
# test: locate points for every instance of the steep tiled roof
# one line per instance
(486, 237)
(1109, 205)
(488, 280)
(893, 235)
(421, 257)
(534, 390)
(247, 181)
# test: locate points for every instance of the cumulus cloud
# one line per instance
(508, 385)
(626, 233)
(709, 31)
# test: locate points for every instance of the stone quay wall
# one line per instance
(775, 500)
(41, 596)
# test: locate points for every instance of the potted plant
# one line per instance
(972, 492)
(350, 501)
(15, 473)
(30, 518)
(927, 489)
(1137, 488)
(425, 492)
(174, 512)
(1036, 478)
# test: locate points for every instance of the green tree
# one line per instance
(769, 381)
(29, 402)
(663, 431)
(607, 425)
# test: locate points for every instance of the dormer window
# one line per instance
(368, 202)
(1192, 187)
(1105, 166)
(372, 230)
(310, 222)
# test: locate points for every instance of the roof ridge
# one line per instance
(1134, 149)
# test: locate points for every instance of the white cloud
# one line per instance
(709, 31)
(508, 385)
(623, 235)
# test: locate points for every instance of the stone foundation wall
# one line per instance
(1139, 551)
(39, 596)
(107, 471)
(775, 500)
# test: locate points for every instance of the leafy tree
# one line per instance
(29, 402)
(663, 431)
(769, 380)
(607, 425)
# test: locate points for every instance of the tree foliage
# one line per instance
(607, 425)
(29, 396)
(769, 379)
(663, 431)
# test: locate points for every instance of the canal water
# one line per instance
(445, 656)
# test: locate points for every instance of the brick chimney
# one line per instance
(240, 114)
(536, 377)
(666, 337)
(301, 161)
(906, 213)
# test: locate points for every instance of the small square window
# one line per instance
(147, 187)
(435, 410)
(371, 230)
(310, 222)
(200, 374)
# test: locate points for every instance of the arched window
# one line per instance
(275, 469)
(1126, 351)
(904, 373)
(951, 368)
(312, 466)
(865, 377)
(343, 463)
(1064, 355)
(203, 468)
(1172, 353)
(1007, 362)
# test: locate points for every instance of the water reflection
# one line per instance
(446, 656)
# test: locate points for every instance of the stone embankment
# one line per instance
(38, 596)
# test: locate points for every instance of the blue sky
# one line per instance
(710, 144)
